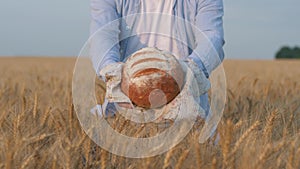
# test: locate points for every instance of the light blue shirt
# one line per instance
(204, 14)
(205, 49)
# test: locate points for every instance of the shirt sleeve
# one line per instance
(104, 34)
(209, 53)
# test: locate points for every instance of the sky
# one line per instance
(254, 29)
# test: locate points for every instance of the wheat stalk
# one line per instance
(263, 156)
(114, 160)
(103, 159)
(87, 148)
(61, 117)
(70, 115)
(147, 164)
(140, 129)
(8, 159)
(45, 116)
(181, 159)
(289, 124)
(68, 161)
(41, 162)
(69, 143)
(38, 138)
(16, 127)
(279, 161)
(28, 159)
(80, 142)
(53, 166)
(244, 136)
(56, 121)
(23, 103)
(2, 117)
(227, 141)
(290, 163)
(280, 145)
(35, 105)
(122, 127)
(168, 158)
(297, 155)
(198, 155)
(214, 163)
(238, 125)
(269, 125)
(268, 151)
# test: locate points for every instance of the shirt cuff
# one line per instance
(199, 63)
(107, 60)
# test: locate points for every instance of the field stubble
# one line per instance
(260, 127)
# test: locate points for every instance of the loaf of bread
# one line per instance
(152, 78)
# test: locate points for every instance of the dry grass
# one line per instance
(39, 129)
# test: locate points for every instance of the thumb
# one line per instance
(112, 70)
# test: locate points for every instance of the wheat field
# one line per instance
(260, 127)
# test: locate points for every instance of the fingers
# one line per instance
(111, 71)
(125, 105)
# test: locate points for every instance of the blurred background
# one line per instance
(253, 29)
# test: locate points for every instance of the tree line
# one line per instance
(287, 52)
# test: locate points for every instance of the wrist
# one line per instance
(198, 62)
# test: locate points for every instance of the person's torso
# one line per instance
(164, 24)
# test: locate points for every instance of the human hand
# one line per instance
(199, 75)
(186, 105)
(125, 105)
(111, 72)
(113, 77)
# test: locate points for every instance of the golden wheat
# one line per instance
(38, 126)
